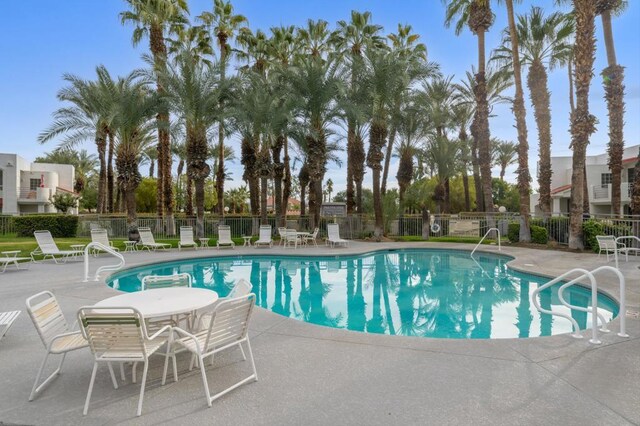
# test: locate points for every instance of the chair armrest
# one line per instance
(60, 336)
(157, 333)
(184, 333)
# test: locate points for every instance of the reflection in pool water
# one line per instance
(427, 293)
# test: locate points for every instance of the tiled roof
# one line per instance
(560, 189)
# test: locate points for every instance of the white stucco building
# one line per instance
(598, 181)
(27, 187)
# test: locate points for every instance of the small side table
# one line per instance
(130, 246)
(247, 240)
(204, 242)
(77, 247)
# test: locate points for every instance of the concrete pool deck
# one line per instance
(317, 375)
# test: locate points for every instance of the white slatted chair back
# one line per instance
(116, 331)
(333, 231)
(314, 235)
(100, 236)
(186, 235)
(45, 242)
(47, 317)
(241, 288)
(224, 234)
(282, 232)
(606, 242)
(230, 322)
(291, 235)
(150, 282)
(146, 237)
(265, 232)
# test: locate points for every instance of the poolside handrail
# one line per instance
(103, 268)
(485, 236)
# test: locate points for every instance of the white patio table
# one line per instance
(163, 301)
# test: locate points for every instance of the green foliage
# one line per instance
(390, 208)
(146, 196)
(539, 235)
(367, 199)
(514, 232)
(592, 228)
(89, 200)
(63, 201)
(505, 194)
(62, 226)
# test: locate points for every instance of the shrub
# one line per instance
(539, 235)
(60, 226)
(514, 232)
(592, 228)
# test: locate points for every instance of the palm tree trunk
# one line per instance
(465, 185)
(387, 157)
(351, 196)
(377, 136)
(199, 184)
(102, 176)
(481, 121)
(475, 165)
(110, 174)
(220, 172)
(286, 182)
(189, 198)
(359, 156)
(614, 95)
(572, 103)
(264, 182)
(585, 186)
(582, 122)
(278, 174)
(152, 164)
(538, 87)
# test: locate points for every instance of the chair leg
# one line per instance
(133, 372)
(142, 386)
(35, 384)
(253, 363)
(205, 382)
(122, 376)
(244, 357)
(93, 379)
(113, 376)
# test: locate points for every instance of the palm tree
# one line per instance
(411, 130)
(520, 113)
(544, 43)
(351, 39)
(613, 78)
(504, 154)
(194, 90)
(225, 26)
(478, 16)
(443, 153)
(154, 18)
(582, 122)
(463, 114)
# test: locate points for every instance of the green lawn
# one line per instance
(466, 240)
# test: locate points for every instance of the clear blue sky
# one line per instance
(44, 39)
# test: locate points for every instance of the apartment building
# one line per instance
(28, 187)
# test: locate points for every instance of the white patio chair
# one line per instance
(148, 242)
(629, 248)
(186, 238)
(99, 235)
(333, 238)
(228, 328)
(282, 233)
(6, 321)
(291, 238)
(265, 237)
(241, 288)
(56, 336)
(47, 247)
(224, 237)
(151, 282)
(312, 237)
(608, 245)
(119, 334)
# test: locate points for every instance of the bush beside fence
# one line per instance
(60, 226)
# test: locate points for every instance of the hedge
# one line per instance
(60, 226)
(539, 234)
(592, 228)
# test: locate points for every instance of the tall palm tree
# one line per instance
(582, 122)
(544, 42)
(504, 154)
(520, 114)
(478, 16)
(411, 130)
(613, 78)
(443, 153)
(462, 115)
(194, 90)
(225, 25)
(351, 39)
(156, 18)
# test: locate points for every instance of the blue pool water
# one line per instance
(426, 293)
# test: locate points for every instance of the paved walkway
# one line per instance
(316, 375)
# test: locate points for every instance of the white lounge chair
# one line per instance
(99, 235)
(148, 242)
(291, 238)
(265, 237)
(608, 244)
(47, 247)
(6, 321)
(312, 237)
(11, 257)
(282, 232)
(56, 336)
(333, 238)
(119, 334)
(228, 328)
(224, 237)
(186, 238)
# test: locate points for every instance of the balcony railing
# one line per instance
(38, 194)
(601, 193)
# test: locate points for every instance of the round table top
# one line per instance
(163, 301)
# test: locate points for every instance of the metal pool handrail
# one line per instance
(103, 268)
(485, 236)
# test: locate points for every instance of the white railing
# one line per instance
(101, 247)
(485, 236)
(595, 316)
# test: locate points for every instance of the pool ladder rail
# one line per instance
(101, 247)
(485, 236)
(595, 315)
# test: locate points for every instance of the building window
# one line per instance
(605, 179)
(34, 184)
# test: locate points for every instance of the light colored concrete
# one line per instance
(318, 375)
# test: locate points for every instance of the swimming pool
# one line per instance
(417, 292)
